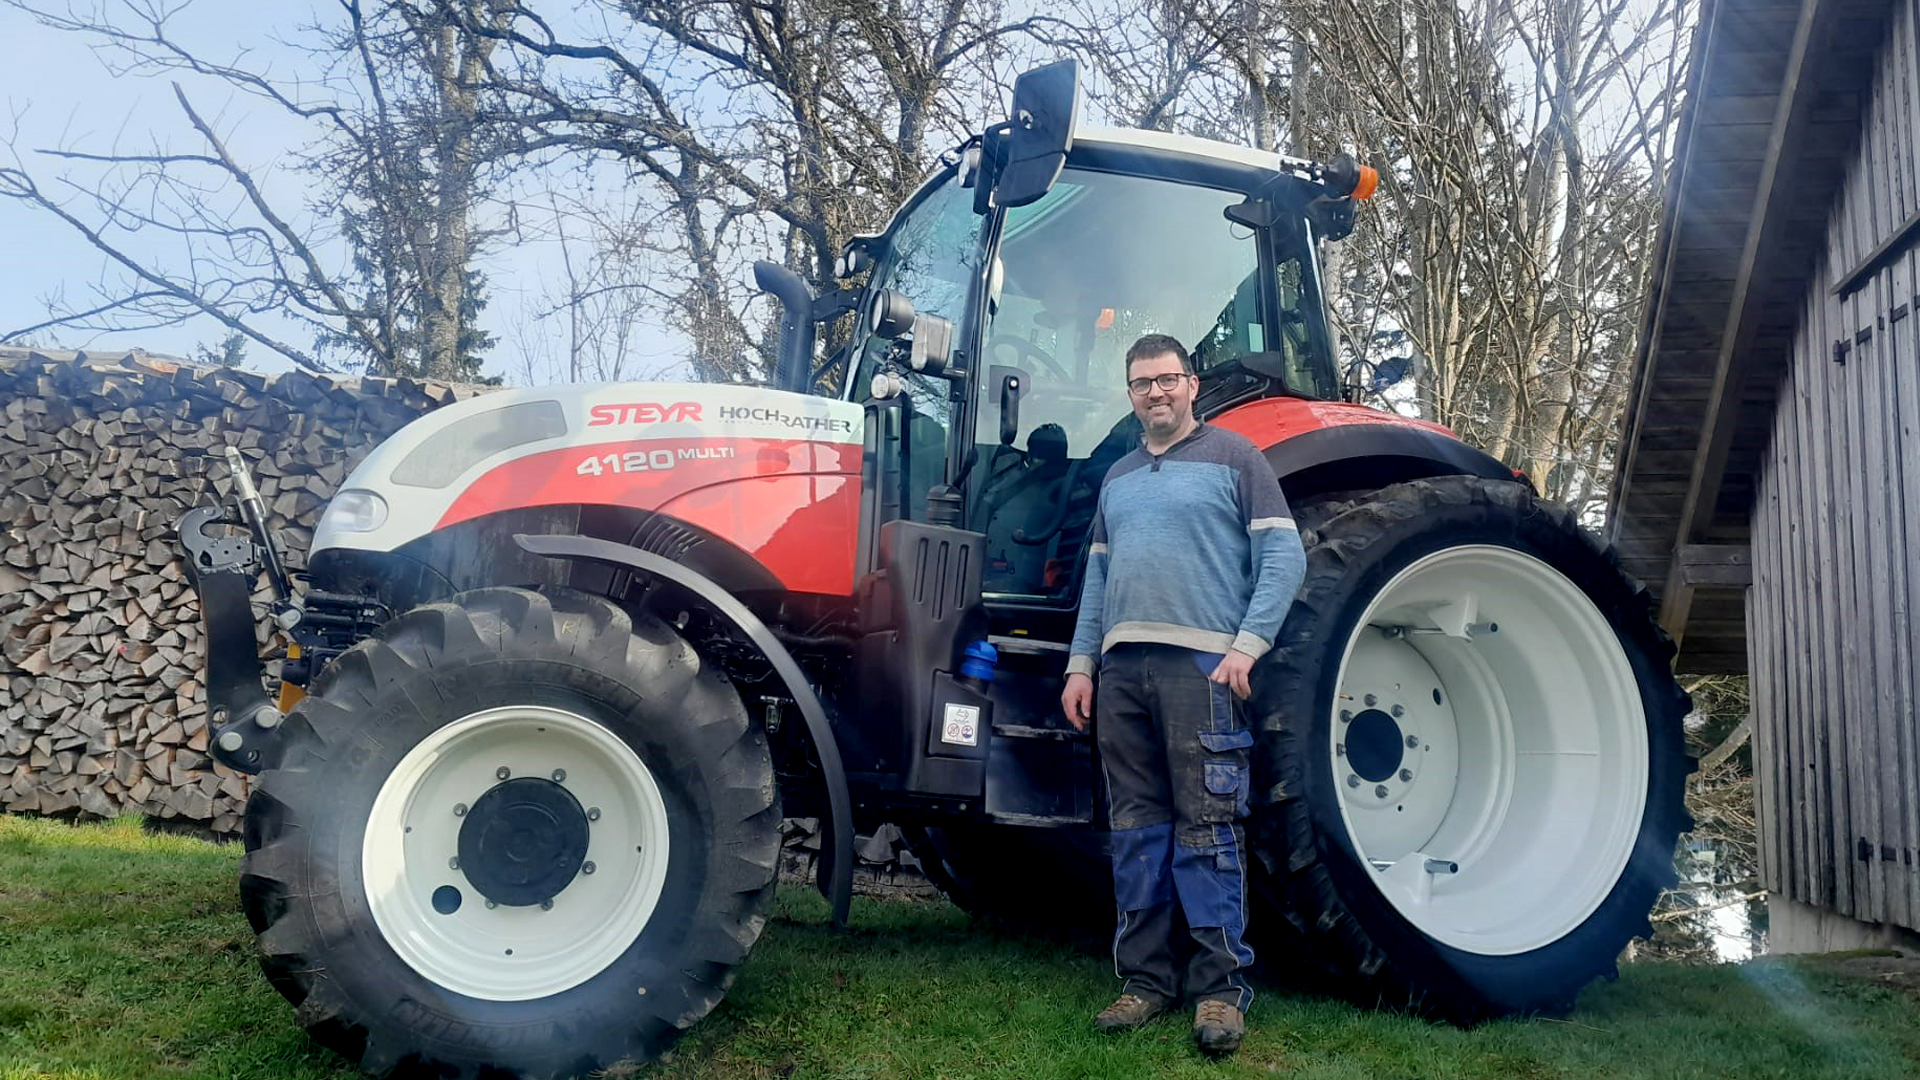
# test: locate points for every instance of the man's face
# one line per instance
(1162, 411)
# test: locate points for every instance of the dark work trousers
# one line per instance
(1174, 749)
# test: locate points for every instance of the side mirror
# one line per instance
(1046, 103)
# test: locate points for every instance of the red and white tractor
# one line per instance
(570, 654)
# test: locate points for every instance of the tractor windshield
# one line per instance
(1101, 260)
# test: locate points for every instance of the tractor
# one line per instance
(566, 657)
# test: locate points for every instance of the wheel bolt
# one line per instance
(546, 905)
(491, 905)
(1340, 749)
(1352, 780)
(587, 867)
(559, 776)
(593, 813)
(1399, 711)
(459, 809)
(453, 864)
(1406, 775)
(1412, 741)
(1371, 700)
(1346, 716)
(1380, 791)
(502, 773)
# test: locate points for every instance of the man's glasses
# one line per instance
(1166, 383)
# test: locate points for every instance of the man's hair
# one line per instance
(1152, 345)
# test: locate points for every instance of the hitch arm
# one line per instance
(244, 721)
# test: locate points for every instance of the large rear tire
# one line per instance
(1470, 751)
(519, 834)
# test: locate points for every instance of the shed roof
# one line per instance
(1773, 99)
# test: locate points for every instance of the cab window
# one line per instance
(1082, 273)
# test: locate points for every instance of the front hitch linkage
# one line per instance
(224, 568)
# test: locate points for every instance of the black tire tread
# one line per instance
(1296, 880)
(555, 624)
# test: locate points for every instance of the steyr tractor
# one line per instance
(567, 656)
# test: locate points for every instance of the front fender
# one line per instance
(836, 864)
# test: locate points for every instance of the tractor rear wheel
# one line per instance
(1470, 751)
(520, 834)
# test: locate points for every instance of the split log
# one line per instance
(101, 706)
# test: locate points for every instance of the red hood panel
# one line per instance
(793, 504)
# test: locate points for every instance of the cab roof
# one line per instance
(1182, 158)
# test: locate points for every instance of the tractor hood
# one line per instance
(650, 446)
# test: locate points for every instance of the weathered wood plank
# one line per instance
(1760, 698)
(1714, 564)
(1891, 659)
(1849, 666)
(1906, 424)
(1796, 542)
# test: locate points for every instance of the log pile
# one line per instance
(101, 709)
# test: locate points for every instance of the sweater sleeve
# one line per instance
(1084, 656)
(1279, 560)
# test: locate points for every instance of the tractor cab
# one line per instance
(989, 353)
(1142, 233)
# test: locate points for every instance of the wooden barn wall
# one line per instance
(1832, 644)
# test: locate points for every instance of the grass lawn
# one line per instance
(124, 954)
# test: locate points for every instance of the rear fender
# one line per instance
(1317, 447)
(836, 862)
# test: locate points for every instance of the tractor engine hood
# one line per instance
(708, 453)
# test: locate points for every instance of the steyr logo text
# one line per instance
(642, 412)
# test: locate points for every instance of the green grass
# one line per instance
(123, 954)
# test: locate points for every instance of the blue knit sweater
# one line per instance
(1194, 547)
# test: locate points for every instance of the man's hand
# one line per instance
(1232, 673)
(1077, 700)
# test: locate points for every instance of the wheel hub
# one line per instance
(1373, 746)
(523, 841)
(555, 912)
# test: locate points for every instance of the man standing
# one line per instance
(1193, 564)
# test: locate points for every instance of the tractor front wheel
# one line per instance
(519, 834)
(1470, 748)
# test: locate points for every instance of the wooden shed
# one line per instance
(1769, 479)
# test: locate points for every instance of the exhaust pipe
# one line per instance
(793, 368)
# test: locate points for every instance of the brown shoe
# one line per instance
(1218, 1027)
(1127, 1013)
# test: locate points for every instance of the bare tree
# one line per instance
(596, 322)
(755, 129)
(1522, 144)
(1514, 226)
(371, 249)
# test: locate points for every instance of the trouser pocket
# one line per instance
(1223, 765)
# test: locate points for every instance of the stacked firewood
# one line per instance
(101, 705)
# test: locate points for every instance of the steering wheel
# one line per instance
(1028, 349)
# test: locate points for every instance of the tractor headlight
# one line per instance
(354, 511)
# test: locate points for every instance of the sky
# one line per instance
(56, 93)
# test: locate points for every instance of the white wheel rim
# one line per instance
(508, 953)
(1529, 771)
